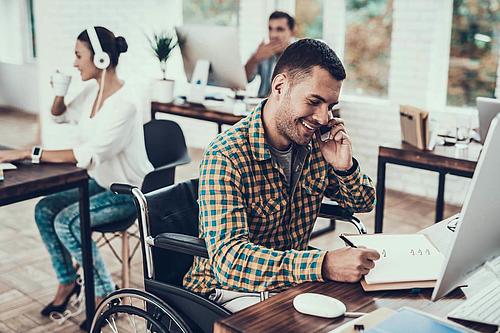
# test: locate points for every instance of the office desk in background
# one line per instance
(442, 160)
(196, 112)
(30, 181)
(277, 314)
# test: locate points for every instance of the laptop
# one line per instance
(476, 240)
(487, 109)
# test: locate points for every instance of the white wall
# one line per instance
(19, 86)
(18, 71)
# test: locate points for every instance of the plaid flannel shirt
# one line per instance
(243, 202)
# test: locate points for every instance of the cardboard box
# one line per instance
(414, 126)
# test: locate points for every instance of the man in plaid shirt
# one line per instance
(263, 180)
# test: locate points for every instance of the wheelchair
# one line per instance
(168, 225)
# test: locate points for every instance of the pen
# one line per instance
(354, 314)
(348, 242)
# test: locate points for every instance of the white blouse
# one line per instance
(111, 144)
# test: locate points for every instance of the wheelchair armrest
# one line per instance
(332, 210)
(182, 243)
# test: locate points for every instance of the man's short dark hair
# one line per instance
(299, 58)
(278, 15)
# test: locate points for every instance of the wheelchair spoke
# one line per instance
(144, 314)
(113, 329)
(133, 323)
(114, 324)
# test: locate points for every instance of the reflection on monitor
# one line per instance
(219, 45)
(487, 109)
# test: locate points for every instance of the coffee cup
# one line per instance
(60, 83)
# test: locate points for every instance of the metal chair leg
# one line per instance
(125, 259)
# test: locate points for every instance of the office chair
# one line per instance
(166, 149)
(168, 223)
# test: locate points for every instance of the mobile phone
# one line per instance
(324, 133)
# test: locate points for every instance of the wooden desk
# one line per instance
(277, 314)
(31, 181)
(442, 160)
(196, 112)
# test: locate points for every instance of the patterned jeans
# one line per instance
(58, 219)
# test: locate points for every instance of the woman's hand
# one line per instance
(14, 155)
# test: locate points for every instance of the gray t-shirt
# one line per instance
(284, 159)
(265, 70)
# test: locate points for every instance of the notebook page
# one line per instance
(403, 258)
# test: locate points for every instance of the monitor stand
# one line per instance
(199, 82)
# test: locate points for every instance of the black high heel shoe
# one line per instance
(46, 311)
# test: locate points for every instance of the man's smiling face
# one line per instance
(305, 105)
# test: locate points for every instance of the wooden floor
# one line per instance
(27, 281)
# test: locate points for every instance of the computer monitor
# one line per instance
(219, 45)
(477, 235)
(487, 109)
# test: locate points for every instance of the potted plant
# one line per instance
(162, 45)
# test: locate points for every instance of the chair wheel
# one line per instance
(132, 310)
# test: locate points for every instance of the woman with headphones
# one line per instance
(111, 148)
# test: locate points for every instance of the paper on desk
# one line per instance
(403, 258)
(7, 166)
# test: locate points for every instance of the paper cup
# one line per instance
(60, 83)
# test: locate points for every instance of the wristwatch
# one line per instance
(36, 153)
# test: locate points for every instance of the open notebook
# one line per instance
(406, 261)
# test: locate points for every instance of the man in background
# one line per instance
(263, 61)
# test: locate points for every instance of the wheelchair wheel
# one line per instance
(132, 310)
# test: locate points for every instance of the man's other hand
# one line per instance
(267, 50)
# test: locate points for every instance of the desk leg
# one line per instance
(219, 127)
(379, 207)
(86, 236)
(153, 114)
(440, 197)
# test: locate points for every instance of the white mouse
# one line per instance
(319, 305)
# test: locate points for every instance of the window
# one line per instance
(17, 40)
(211, 12)
(474, 51)
(309, 18)
(31, 32)
(367, 47)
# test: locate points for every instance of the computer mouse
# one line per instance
(319, 305)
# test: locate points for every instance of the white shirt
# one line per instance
(111, 144)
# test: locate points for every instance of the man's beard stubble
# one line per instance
(286, 125)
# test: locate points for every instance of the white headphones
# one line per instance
(101, 58)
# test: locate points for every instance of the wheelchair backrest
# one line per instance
(173, 209)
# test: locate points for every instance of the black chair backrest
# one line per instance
(165, 145)
(173, 209)
(165, 142)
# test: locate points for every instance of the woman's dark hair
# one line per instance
(110, 44)
(299, 59)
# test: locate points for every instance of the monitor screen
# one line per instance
(220, 47)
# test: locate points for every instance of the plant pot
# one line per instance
(163, 91)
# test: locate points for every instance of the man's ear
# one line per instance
(278, 84)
